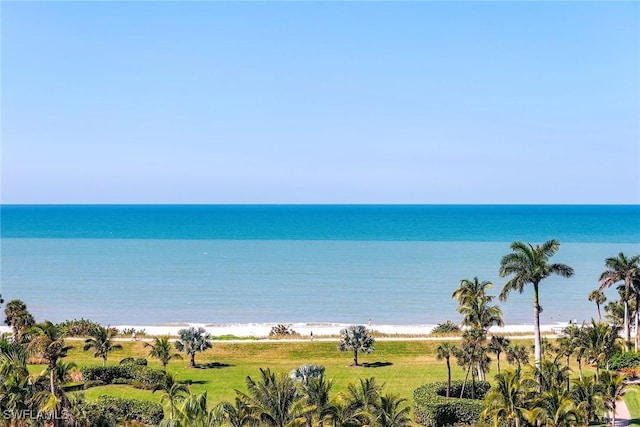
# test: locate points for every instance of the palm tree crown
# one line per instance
(160, 348)
(357, 339)
(191, 341)
(101, 340)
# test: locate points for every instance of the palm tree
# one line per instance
(445, 351)
(586, 397)
(621, 269)
(599, 341)
(48, 340)
(517, 354)
(18, 317)
(390, 413)
(612, 388)
(101, 340)
(275, 400)
(161, 350)
(357, 339)
(554, 408)
(480, 315)
(315, 387)
(173, 391)
(191, 341)
(505, 401)
(363, 399)
(237, 414)
(599, 298)
(498, 345)
(471, 290)
(530, 264)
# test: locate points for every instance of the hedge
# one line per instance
(112, 411)
(433, 409)
(139, 376)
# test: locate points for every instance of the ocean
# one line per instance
(238, 264)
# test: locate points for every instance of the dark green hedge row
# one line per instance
(433, 409)
(139, 376)
(624, 360)
(109, 411)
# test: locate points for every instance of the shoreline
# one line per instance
(305, 330)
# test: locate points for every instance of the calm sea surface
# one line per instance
(161, 264)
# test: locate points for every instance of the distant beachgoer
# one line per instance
(369, 322)
(133, 336)
(311, 335)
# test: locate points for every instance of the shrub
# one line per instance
(78, 327)
(140, 376)
(281, 330)
(433, 409)
(624, 360)
(114, 410)
(447, 327)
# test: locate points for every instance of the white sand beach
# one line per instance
(261, 330)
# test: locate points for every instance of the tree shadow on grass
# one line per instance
(190, 382)
(377, 364)
(212, 365)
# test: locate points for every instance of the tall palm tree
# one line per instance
(621, 269)
(191, 341)
(101, 340)
(612, 388)
(498, 345)
(392, 412)
(506, 401)
(599, 298)
(356, 339)
(275, 400)
(528, 264)
(48, 340)
(173, 391)
(445, 351)
(18, 317)
(160, 348)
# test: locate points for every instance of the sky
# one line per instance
(320, 102)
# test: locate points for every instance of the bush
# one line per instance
(432, 409)
(108, 411)
(282, 330)
(447, 327)
(140, 376)
(78, 327)
(624, 360)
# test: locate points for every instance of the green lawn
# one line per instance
(402, 366)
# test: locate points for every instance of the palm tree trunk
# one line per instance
(498, 356)
(580, 367)
(355, 357)
(627, 326)
(536, 326)
(636, 322)
(104, 361)
(599, 315)
(192, 361)
(448, 377)
(466, 376)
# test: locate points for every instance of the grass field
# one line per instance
(401, 366)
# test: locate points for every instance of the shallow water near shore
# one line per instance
(149, 281)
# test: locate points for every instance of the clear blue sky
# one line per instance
(320, 102)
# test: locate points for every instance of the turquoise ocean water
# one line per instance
(161, 264)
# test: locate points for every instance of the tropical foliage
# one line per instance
(192, 341)
(356, 339)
